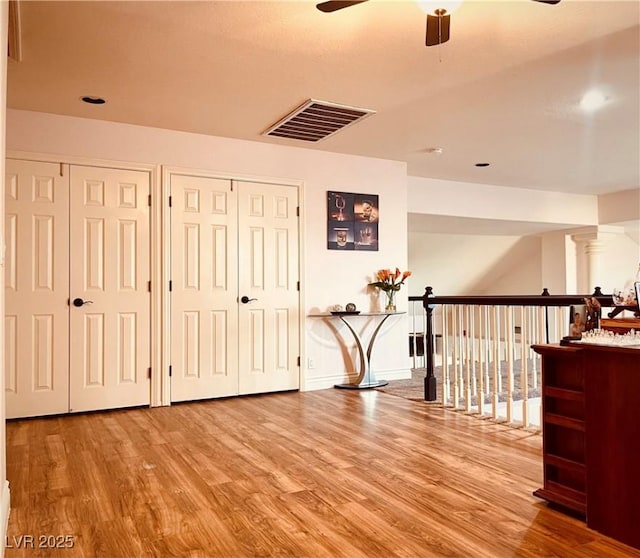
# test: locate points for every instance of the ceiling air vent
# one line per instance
(315, 120)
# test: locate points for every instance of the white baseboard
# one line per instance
(400, 374)
(325, 382)
(329, 380)
(5, 507)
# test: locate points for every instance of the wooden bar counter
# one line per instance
(591, 435)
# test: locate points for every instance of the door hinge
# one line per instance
(170, 201)
(298, 211)
(149, 200)
(149, 286)
(170, 371)
(170, 285)
(149, 373)
(298, 285)
(298, 361)
(61, 169)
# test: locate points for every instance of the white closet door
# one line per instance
(109, 336)
(204, 307)
(269, 331)
(36, 289)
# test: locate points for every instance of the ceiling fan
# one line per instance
(438, 15)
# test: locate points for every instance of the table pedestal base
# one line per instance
(366, 376)
(370, 385)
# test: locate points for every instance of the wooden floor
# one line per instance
(321, 474)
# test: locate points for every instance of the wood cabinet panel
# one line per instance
(591, 433)
(613, 448)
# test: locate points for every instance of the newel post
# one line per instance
(545, 292)
(430, 379)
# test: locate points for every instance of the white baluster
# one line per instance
(461, 338)
(500, 312)
(412, 339)
(496, 361)
(558, 325)
(487, 329)
(534, 340)
(455, 331)
(524, 375)
(467, 359)
(446, 377)
(509, 336)
(474, 350)
(482, 342)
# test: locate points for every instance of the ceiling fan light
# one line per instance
(439, 7)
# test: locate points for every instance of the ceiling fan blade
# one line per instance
(437, 29)
(335, 5)
(548, 1)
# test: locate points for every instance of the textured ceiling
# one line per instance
(503, 90)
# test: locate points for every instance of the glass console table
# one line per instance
(366, 377)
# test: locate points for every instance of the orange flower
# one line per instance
(388, 280)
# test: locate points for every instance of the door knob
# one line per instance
(246, 299)
(79, 302)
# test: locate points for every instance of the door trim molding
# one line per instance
(164, 276)
(235, 176)
(81, 161)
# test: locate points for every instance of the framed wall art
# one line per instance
(352, 221)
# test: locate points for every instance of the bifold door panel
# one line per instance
(234, 309)
(268, 333)
(36, 289)
(204, 318)
(109, 336)
(77, 302)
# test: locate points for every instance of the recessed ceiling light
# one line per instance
(443, 6)
(93, 100)
(482, 164)
(435, 150)
(593, 100)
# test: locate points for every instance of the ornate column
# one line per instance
(593, 249)
(591, 243)
(588, 251)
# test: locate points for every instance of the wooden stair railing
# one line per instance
(543, 301)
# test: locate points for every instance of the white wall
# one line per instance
(619, 206)
(328, 277)
(619, 261)
(565, 263)
(459, 264)
(443, 197)
(558, 259)
(495, 265)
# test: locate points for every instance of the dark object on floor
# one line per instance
(418, 340)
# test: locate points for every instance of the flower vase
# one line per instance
(391, 301)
